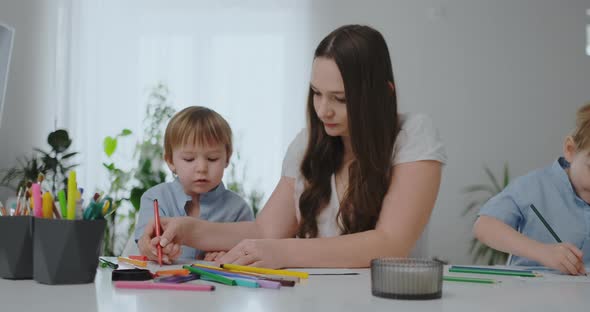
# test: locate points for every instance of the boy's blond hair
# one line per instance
(197, 125)
(581, 134)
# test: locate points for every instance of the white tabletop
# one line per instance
(318, 293)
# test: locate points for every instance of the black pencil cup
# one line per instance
(16, 247)
(66, 251)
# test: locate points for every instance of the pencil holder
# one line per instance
(66, 251)
(399, 278)
(16, 247)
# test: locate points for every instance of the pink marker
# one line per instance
(167, 286)
(268, 284)
(36, 193)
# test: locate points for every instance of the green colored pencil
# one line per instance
(105, 263)
(493, 272)
(547, 226)
(469, 280)
(211, 276)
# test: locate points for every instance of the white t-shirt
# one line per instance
(417, 139)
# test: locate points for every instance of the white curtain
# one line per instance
(248, 60)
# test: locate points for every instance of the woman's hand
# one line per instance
(264, 253)
(145, 248)
(214, 255)
(564, 257)
(174, 229)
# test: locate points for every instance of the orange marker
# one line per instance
(157, 220)
(141, 258)
(138, 263)
(180, 272)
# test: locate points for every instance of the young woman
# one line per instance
(358, 183)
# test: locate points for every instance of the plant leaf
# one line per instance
(479, 188)
(125, 132)
(506, 175)
(470, 207)
(42, 152)
(59, 140)
(135, 197)
(110, 145)
(110, 166)
(493, 179)
(66, 156)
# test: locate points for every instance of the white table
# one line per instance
(318, 293)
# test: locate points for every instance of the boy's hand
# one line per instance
(214, 255)
(564, 257)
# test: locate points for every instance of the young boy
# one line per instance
(561, 193)
(197, 149)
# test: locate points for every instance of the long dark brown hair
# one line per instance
(362, 57)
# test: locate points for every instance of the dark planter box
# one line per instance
(66, 251)
(16, 247)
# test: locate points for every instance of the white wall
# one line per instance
(501, 79)
(28, 111)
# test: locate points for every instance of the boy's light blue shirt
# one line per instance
(217, 205)
(552, 193)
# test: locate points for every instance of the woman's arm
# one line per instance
(405, 212)
(276, 220)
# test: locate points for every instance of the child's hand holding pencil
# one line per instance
(564, 257)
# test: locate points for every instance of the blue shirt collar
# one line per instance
(182, 198)
(559, 170)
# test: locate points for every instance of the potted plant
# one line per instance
(53, 165)
(481, 193)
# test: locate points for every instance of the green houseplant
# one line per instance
(53, 165)
(117, 191)
(129, 185)
(480, 194)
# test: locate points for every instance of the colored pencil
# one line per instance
(211, 276)
(138, 263)
(545, 223)
(263, 283)
(168, 286)
(469, 280)
(158, 229)
(490, 269)
(265, 271)
(494, 272)
(180, 272)
(274, 278)
(108, 263)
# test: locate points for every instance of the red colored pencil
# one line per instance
(158, 229)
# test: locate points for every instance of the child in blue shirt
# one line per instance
(197, 148)
(561, 193)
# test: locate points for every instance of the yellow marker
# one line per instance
(47, 205)
(138, 263)
(72, 195)
(265, 271)
(204, 266)
(105, 207)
